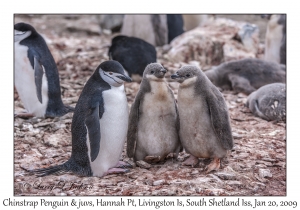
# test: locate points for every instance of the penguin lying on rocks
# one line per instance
(133, 53)
(269, 102)
(246, 75)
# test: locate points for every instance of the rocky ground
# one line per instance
(255, 166)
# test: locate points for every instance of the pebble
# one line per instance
(264, 173)
(225, 176)
(143, 164)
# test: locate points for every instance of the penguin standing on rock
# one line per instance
(99, 125)
(205, 130)
(153, 120)
(36, 75)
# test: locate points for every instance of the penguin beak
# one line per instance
(175, 76)
(163, 71)
(125, 78)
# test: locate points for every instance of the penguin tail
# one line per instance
(69, 109)
(47, 171)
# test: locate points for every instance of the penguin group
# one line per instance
(157, 124)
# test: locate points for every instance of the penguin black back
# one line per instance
(38, 49)
(102, 99)
(133, 53)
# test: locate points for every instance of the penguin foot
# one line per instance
(152, 159)
(191, 161)
(24, 115)
(122, 164)
(214, 165)
(117, 171)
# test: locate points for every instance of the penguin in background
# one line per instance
(156, 29)
(269, 102)
(153, 120)
(133, 53)
(99, 125)
(275, 42)
(205, 130)
(246, 75)
(36, 75)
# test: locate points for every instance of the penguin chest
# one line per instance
(25, 83)
(196, 132)
(113, 130)
(157, 133)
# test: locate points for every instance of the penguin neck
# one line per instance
(159, 88)
(188, 82)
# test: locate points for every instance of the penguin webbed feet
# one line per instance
(24, 115)
(122, 164)
(191, 161)
(116, 171)
(153, 159)
(213, 166)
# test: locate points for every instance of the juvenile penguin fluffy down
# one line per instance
(153, 119)
(246, 75)
(205, 130)
(269, 102)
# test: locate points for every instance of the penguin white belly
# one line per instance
(25, 83)
(157, 133)
(113, 130)
(196, 133)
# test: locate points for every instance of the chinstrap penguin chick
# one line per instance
(246, 75)
(133, 53)
(36, 75)
(205, 130)
(99, 125)
(269, 102)
(153, 119)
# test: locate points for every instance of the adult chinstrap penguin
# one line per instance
(36, 75)
(99, 125)
(205, 130)
(153, 120)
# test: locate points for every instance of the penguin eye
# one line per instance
(188, 75)
(110, 73)
(152, 72)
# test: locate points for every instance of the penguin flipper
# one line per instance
(133, 126)
(38, 76)
(220, 118)
(93, 126)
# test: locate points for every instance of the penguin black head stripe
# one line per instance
(99, 125)
(113, 73)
